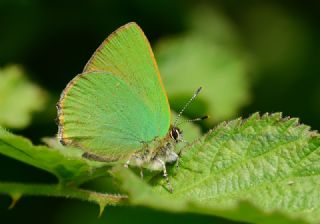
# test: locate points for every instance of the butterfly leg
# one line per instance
(177, 162)
(135, 159)
(165, 174)
(131, 158)
(126, 165)
(178, 159)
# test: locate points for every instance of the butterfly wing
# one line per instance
(119, 101)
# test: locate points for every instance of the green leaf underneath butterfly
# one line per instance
(262, 170)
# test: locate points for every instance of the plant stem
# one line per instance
(16, 190)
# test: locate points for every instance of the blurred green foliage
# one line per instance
(273, 45)
(207, 54)
(18, 98)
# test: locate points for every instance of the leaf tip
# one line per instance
(15, 198)
(102, 206)
(277, 115)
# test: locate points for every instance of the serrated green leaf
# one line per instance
(208, 55)
(65, 163)
(262, 170)
(19, 98)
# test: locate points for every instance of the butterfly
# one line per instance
(117, 108)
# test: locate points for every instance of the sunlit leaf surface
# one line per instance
(263, 170)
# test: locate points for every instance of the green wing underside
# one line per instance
(127, 54)
(103, 115)
(119, 101)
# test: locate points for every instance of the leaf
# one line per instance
(262, 170)
(208, 54)
(65, 163)
(19, 98)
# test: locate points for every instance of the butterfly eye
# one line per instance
(175, 134)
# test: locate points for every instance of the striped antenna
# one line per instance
(185, 106)
(193, 120)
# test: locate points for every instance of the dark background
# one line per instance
(52, 40)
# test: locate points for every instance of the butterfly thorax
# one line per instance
(159, 152)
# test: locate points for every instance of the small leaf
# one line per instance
(65, 163)
(19, 98)
(263, 170)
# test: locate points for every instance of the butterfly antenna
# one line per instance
(195, 119)
(185, 106)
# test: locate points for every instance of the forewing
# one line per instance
(127, 54)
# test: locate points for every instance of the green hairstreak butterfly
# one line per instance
(117, 108)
